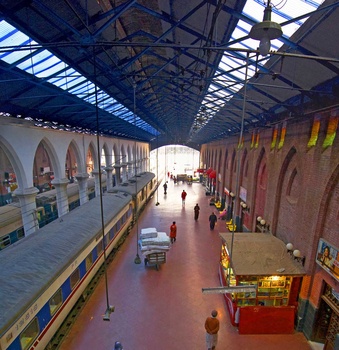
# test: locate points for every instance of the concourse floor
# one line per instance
(166, 309)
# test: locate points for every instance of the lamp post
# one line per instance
(137, 259)
(232, 195)
(244, 208)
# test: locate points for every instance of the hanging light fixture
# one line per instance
(266, 31)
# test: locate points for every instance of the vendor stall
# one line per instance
(260, 260)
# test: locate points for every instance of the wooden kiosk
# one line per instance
(260, 260)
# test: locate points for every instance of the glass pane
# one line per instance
(75, 278)
(89, 261)
(55, 302)
(28, 336)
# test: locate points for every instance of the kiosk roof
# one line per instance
(260, 254)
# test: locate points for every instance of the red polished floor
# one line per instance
(166, 309)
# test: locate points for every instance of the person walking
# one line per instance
(118, 346)
(196, 211)
(165, 187)
(183, 196)
(173, 232)
(212, 329)
(212, 219)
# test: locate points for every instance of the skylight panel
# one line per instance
(121, 112)
(254, 11)
(91, 99)
(102, 98)
(82, 88)
(11, 38)
(66, 79)
(32, 64)
(50, 68)
(117, 107)
(43, 64)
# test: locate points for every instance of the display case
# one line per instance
(274, 290)
(270, 290)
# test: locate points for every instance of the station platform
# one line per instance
(165, 309)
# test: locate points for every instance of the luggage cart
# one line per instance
(155, 259)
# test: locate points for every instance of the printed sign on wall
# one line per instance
(328, 258)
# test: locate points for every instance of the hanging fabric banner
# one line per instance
(282, 135)
(315, 131)
(274, 137)
(252, 139)
(331, 128)
(257, 140)
(241, 143)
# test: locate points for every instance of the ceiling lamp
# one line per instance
(266, 31)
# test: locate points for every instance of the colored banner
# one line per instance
(331, 128)
(315, 131)
(282, 135)
(257, 140)
(274, 137)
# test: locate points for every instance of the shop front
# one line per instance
(261, 261)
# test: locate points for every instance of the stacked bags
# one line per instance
(152, 241)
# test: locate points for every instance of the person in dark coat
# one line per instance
(165, 187)
(212, 219)
(196, 211)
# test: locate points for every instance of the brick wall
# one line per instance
(294, 188)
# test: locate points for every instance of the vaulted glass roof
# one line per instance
(175, 74)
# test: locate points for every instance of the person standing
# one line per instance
(212, 329)
(212, 219)
(196, 211)
(183, 196)
(165, 187)
(173, 232)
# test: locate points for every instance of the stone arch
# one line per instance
(123, 155)
(115, 153)
(280, 185)
(258, 202)
(129, 154)
(107, 156)
(232, 170)
(91, 158)
(57, 165)
(242, 166)
(218, 167)
(22, 180)
(225, 168)
(80, 165)
(326, 225)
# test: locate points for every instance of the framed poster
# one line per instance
(243, 193)
(328, 258)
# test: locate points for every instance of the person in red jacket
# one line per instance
(173, 232)
(183, 196)
(212, 329)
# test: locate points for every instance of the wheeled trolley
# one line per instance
(155, 259)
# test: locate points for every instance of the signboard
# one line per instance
(328, 258)
(235, 289)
